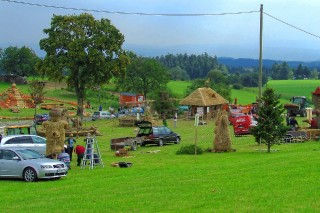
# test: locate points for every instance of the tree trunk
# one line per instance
(81, 98)
(269, 146)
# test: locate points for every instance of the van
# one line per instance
(102, 115)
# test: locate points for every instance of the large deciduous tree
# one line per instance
(270, 129)
(85, 51)
(19, 61)
(143, 75)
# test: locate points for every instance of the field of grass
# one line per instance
(248, 180)
(179, 87)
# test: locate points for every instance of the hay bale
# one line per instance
(222, 140)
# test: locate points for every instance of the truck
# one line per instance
(297, 106)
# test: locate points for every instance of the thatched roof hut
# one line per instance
(204, 97)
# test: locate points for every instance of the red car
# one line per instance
(232, 118)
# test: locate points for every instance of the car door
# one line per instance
(170, 136)
(164, 134)
(39, 144)
(10, 166)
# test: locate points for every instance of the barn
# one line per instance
(130, 99)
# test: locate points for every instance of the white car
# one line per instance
(34, 142)
(102, 115)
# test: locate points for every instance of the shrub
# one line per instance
(189, 150)
(237, 86)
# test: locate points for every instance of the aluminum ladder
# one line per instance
(92, 156)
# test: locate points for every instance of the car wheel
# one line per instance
(177, 140)
(29, 175)
(160, 143)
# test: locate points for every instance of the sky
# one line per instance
(228, 35)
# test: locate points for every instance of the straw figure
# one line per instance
(76, 122)
(55, 133)
(222, 140)
(65, 115)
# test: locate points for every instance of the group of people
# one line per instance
(79, 150)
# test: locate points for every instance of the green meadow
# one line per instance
(248, 180)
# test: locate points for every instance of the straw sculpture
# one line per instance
(55, 133)
(222, 140)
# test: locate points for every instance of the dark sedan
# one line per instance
(158, 135)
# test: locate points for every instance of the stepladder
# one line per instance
(92, 156)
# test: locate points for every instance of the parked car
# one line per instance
(29, 165)
(102, 115)
(40, 118)
(156, 134)
(233, 117)
(34, 142)
(121, 113)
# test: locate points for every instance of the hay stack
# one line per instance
(222, 140)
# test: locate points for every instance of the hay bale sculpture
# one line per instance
(55, 133)
(222, 140)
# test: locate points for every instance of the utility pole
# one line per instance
(260, 54)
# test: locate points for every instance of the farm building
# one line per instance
(130, 99)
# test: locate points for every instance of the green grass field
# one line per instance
(248, 180)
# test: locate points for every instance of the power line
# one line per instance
(157, 14)
(128, 13)
(290, 25)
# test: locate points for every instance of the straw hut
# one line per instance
(207, 99)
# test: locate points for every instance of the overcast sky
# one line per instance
(221, 35)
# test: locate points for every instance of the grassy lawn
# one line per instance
(248, 180)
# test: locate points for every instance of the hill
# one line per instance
(248, 62)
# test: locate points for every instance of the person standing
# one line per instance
(175, 119)
(294, 124)
(70, 142)
(79, 150)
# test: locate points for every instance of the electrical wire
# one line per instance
(157, 14)
(290, 25)
(128, 13)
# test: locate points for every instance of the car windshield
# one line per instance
(29, 154)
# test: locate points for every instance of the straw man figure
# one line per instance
(55, 133)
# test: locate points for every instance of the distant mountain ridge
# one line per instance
(248, 63)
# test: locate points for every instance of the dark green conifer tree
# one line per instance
(270, 129)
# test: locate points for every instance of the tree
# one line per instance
(314, 74)
(223, 89)
(19, 61)
(88, 51)
(37, 92)
(270, 129)
(179, 74)
(143, 75)
(280, 71)
(217, 77)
